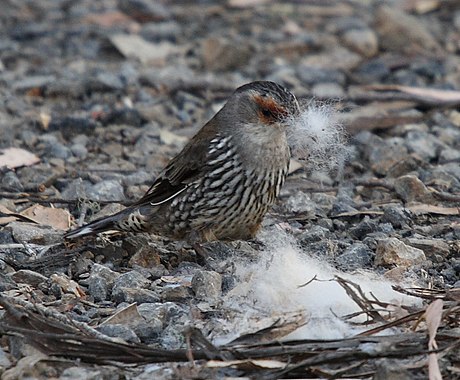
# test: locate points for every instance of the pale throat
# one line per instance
(267, 141)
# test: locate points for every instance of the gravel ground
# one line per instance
(105, 93)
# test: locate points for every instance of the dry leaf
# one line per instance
(45, 119)
(433, 315)
(429, 209)
(380, 115)
(179, 280)
(359, 212)
(17, 157)
(6, 219)
(68, 285)
(421, 6)
(55, 217)
(276, 331)
(453, 294)
(108, 19)
(170, 138)
(247, 364)
(246, 3)
(433, 367)
(428, 95)
(131, 45)
(125, 315)
(294, 165)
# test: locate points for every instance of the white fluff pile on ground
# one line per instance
(317, 138)
(269, 288)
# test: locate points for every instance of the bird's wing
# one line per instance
(182, 170)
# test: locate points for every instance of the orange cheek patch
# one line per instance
(276, 111)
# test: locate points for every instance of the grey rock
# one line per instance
(397, 216)
(452, 168)
(399, 31)
(72, 125)
(76, 189)
(65, 87)
(405, 166)
(207, 285)
(324, 248)
(430, 247)
(383, 154)
(59, 151)
(386, 228)
(146, 257)
(33, 233)
(4, 361)
(301, 202)
(29, 277)
(139, 178)
(392, 251)
(98, 289)
(148, 332)
(160, 312)
(364, 41)
(48, 139)
(326, 223)
(144, 10)
(6, 237)
(411, 189)
(158, 31)
(79, 150)
(132, 279)
(374, 70)
(129, 74)
(123, 116)
(357, 256)
(324, 203)
(448, 155)
(80, 139)
(423, 144)
(133, 244)
(131, 287)
(11, 182)
(100, 282)
(6, 282)
(221, 54)
(335, 58)
(175, 293)
(80, 372)
(327, 90)
(119, 331)
(32, 82)
(104, 82)
(154, 371)
(388, 369)
(311, 75)
(130, 295)
(109, 190)
(316, 233)
(449, 274)
(457, 20)
(363, 228)
(343, 203)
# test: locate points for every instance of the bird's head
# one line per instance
(260, 108)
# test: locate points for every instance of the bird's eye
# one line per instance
(267, 113)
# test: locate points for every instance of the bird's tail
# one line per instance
(107, 223)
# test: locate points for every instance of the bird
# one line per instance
(223, 182)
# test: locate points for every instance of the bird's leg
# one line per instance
(201, 254)
(196, 239)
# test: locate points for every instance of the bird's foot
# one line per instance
(201, 254)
